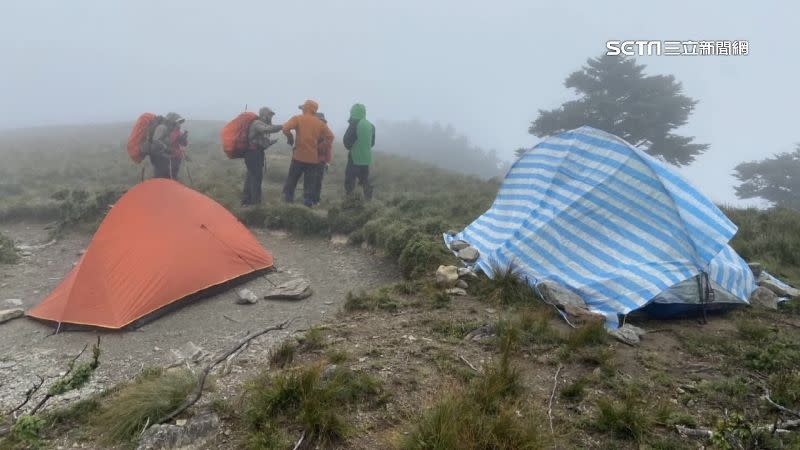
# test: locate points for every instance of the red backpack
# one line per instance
(141, 136)
(234, 135)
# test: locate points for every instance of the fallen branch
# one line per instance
(300, 441)
(777, 406)
(198, 392)
(552, 395)
(779, 427)
(28, 395)
(71, 365)
(229, 360)
(461, 357)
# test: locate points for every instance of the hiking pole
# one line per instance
(189, 172)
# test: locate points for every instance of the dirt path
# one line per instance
(27, 347)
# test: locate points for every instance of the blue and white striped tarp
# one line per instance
(613, 224)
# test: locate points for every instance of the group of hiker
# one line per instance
(249, 135)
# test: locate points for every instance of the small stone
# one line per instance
(10, 314)
(458, 245)
(490, 310)
(180, 422)
(7, 364)
(362, 359)
(469, 254)
(189, 352)
(764, 298)
(246, 297)
(446, 276)
(464, 272)
(462, 284)
(558, 295)
(628, 334)
(780, 291)
(13, 302)
(157, 349)
(456, 291)
(296, 289)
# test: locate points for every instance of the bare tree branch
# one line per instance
(198, 392)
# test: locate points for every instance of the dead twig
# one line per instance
(28, 395)
(229, 360)
(71, 366)
(231, 318)
(300, 441)
(461, 357)
(552, 395)
(777, 406)
(198, 392)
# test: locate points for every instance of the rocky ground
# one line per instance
(30, 348)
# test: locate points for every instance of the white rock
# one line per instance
(464, 272)
(469, 254)
(246, 297)
(462, 284)
(456, 291)
(458, 245)
(446, 275)
(13, 302)
(9, 314)
(764, 298)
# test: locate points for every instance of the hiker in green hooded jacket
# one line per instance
(359, 140)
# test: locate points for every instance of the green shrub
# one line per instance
(420, 256)
(283, 355)
(8, 251)
(303, 399)
(27, 430)
(379, 300)
(295, 218)
(144, 401)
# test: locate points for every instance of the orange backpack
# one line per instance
(234, 135)
(142, 133)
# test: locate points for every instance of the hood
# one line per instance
(174, 118)
(266, 114)
(358, 112)
(309, 107)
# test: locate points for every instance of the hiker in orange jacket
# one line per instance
(310, 130)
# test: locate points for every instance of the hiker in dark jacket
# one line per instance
(258, 137)
(358, 140)
(166, 147)
(325, 156)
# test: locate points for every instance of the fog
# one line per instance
(485, 68)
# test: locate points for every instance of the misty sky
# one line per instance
(484, 67)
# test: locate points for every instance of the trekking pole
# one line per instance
(189, 172)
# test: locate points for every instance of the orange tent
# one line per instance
(160, 243)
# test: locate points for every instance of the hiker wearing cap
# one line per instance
(166, 148)
(258, 136)
(325, 150)
(358, 140)
(309, 131)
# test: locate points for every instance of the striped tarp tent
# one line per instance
(616, 226)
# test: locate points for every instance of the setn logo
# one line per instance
(633, 48)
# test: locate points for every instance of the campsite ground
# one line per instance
(30, 348)
(389, 368)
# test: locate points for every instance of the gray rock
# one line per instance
(464, 272)
(469, 254)
(456, 291)
(462, 284)
(764, 298)
(580, 316)
(13, 302)
(447, 276)
(246, 297)
(296, 289)
(779, 290)
(189, 352)
(483, 333)
(10, 314)
(168, 436)
(628, 334)
(458, 245)
(756, 269)
(558, 295)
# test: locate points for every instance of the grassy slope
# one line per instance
(608, 396)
